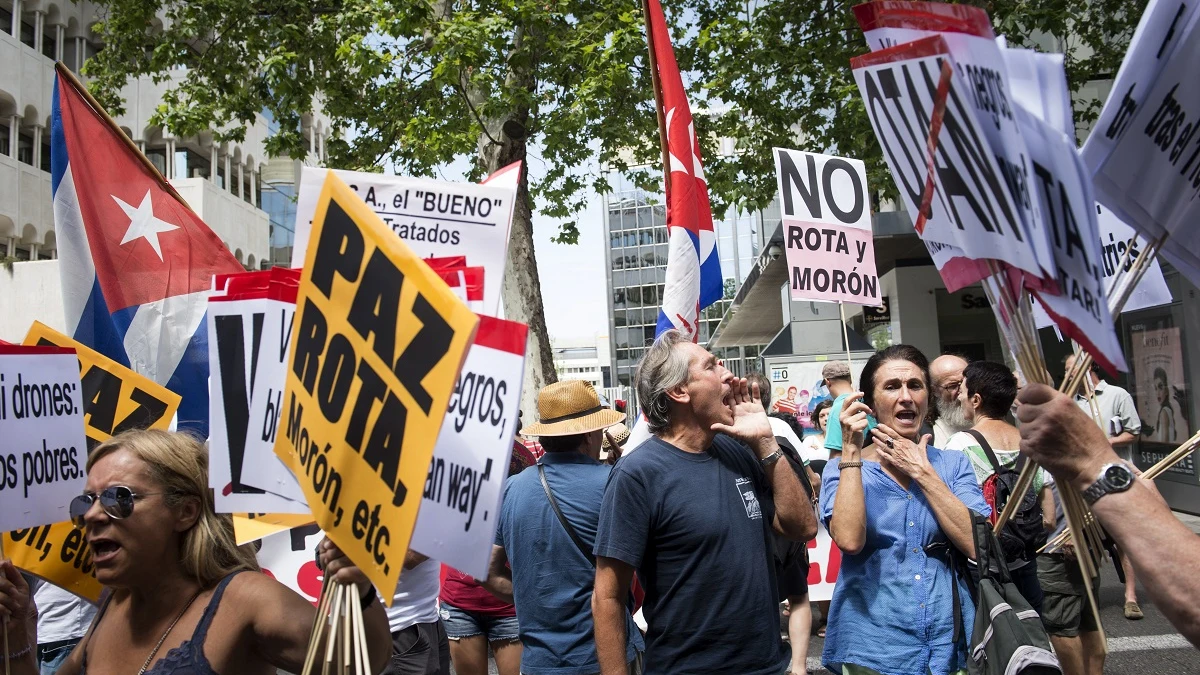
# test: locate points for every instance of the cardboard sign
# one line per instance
(44, 456)
(434, 218)
(235, 342)
(827, 227)
(115, 399)
(289, 558)
(250, 527)
(968, 38)
(376, 349)
(1081, 311)
(262, 468)
(958, 194)
(457, 524)
(824, 566)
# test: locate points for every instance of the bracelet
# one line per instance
(368, 599)
(850, 465)
(16, 655)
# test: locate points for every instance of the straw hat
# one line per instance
(619, 433)
(568, 408)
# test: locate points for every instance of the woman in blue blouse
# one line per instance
(894, 506)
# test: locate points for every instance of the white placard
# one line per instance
(824, 566)
(234, 337)
(44, 456)
(262, 468)
(435, 218)
(461, 501)
(971, 206)
(290, 558)
(1081, 308)
(827, 227)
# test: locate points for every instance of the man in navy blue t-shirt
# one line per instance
(692, 511)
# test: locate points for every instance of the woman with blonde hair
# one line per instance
(181, 597)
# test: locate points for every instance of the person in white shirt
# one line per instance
(814, 449)
(419, 642)
(946, 373)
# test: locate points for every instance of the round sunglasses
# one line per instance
(117, 501)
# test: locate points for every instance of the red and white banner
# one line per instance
(457, 521)
(824, 565)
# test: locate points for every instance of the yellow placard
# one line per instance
(115, 399)
(377, 342)
(248, 527)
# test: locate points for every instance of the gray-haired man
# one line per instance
(691, 510)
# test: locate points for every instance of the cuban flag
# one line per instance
(136, 262)
(693, 266)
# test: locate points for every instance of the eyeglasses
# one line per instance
(117, 501)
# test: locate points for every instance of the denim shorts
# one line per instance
(461, 623)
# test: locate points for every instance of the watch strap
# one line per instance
(772, 458)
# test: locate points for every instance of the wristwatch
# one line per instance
(772, 458)
(1114, 477)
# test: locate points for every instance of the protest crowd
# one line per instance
(333, 471)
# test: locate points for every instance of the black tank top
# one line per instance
(188, 658)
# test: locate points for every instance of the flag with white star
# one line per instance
(693, 278)
(136, 262)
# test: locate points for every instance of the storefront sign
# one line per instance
(827, 227)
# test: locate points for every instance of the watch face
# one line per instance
(1118, 477)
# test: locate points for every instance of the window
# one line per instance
(25, 148)
(50, 42)
(190, 164)
(4, 140)
(27, 33)
(6, 20)
(158, 157)
(70, 53)
(45, 154)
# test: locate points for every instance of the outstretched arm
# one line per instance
(1164, 552)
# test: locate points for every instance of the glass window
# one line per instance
(25, 148)
(634, 294)
(619, 298)
(645, 217)
(27, 37)
(69, 53)
(45, 158)
(650, 296)
(4, 133)
(619, 318)
(50, 42)
(660, 216)
(6, 20)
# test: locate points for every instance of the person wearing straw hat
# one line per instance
(542, 560)
(692, 510)
(614, 443)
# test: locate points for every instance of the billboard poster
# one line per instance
(1162, 391)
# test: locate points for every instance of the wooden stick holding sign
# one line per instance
(845, 330)
(7, 666)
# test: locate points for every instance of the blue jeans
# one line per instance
(52, 655)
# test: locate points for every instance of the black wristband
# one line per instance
(370, 597)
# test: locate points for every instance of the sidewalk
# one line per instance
(1193, 522)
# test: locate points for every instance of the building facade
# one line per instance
(583, 359)
(635, 229)
(241, 193)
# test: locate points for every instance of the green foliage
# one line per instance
(417, 84)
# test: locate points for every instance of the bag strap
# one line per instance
(561, 518)
(945, 548)
(987, 449)
(797, 463)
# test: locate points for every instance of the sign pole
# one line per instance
(7, 665)
(845, 331)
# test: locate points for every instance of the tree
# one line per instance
(417, 84)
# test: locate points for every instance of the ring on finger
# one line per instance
(890, 443)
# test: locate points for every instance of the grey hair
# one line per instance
(661, 369)
(764, 387)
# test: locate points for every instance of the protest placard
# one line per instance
(376, 350)
(827, 227)
(824, 566)
(1081, 310)
(457, 523)
(434, 218)
(235, 344)
(248, 527)
(261, 467)
(979, 64)
(115, 399)
(288, 558)
(957, 195)
(44, 457)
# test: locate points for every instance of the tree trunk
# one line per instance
(503, 142)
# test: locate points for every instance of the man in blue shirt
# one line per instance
(552, 574)
(692, 510)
